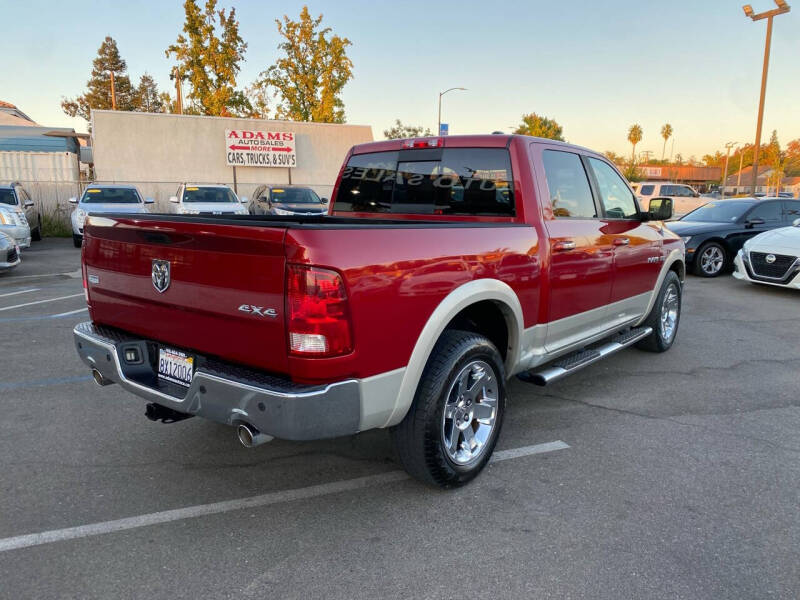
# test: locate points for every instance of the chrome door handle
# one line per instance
(564, 246)
(621, 241)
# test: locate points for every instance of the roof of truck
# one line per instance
(459, 141)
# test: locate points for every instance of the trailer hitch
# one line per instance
(157, 412)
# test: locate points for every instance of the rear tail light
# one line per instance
(318, 319)
(424, 143)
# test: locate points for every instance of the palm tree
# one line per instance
(634, 137)
(666, 133)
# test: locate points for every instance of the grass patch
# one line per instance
(54, 225)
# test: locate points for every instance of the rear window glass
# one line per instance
(208, 194)
(452, 181)
(109, 196)
(7, 197)
(647, 190)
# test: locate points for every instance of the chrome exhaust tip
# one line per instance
(99, 379)
(250, 437)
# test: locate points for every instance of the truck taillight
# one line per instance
(318, 321)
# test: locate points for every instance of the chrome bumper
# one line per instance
(224, 392)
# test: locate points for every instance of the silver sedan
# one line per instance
(14, 224)
(9, 252)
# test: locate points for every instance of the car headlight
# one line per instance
(241, 210)
(686, 239)
(280, 211)
(81, 217)
(5, 218)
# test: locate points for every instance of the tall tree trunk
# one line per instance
(664, 150)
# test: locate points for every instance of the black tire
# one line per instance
(36, 234)
(77, 240)
(659, 341)
(707, 270)
(420, 438)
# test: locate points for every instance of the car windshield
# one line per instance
(208, 194)
(295, 196)
(110, 196)
(8, 197)
(719, 212)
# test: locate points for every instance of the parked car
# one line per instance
(684, 197)
(105, 198)
(715, 232)
(441, 272)
(10, 255)
(14, 223)
(197, 199)
(13, 194)
(287, 200)
(771, 258)
(785, 195)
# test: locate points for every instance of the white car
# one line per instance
(105, 198)
(9, 252)
(207, 200)
(771, 258)
(684, 197)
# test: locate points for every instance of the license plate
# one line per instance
(175, 366)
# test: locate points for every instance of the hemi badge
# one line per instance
(94, 279)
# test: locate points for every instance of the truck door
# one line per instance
(638, 246)
(581, 254)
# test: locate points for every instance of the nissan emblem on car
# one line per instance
(160, 275)
(770, 258)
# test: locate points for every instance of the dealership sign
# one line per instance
(245, 148)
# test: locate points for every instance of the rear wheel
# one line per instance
(76, 240)
(452, 427)
(664, 316)
(711, 259)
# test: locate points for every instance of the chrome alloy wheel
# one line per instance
(711, 260)
(470, 412)
(669, 313)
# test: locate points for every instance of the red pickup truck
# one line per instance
(444, 267)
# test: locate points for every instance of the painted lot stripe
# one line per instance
(40, 302)
(21, 385)
(72, 312)
(190, 512)
(19, 292)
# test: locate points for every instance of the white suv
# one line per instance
(684, 197)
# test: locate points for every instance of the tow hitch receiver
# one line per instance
(157, 412)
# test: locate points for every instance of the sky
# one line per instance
(595, 66)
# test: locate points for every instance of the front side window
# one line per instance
(769, 211)
(615, 195)
(457, 181)
(208, 194)
(110, 196)
(8, 197)
(568, 185)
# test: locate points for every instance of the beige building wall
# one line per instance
(156, 152)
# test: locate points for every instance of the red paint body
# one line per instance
(395, 277)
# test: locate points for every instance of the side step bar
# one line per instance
(571, 363)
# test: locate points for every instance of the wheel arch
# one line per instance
(674, 262)
(463, 305)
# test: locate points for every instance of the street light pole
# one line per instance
(729, 145)
(783, 7)
(439, 124)
(739, 176)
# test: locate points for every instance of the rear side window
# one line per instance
(568, 185)
(791, 211)
(647, 190)
(454, 181)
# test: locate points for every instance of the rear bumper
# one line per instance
(227, 393)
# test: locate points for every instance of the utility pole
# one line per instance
(729, 145)
(783, 7)
(739, 177)
(113, 93)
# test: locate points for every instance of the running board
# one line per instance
(571, 363)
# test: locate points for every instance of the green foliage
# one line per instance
(543, 127)
(666, 133)
(308, 79)
(634, 137)
(633, 173)
(147, 97)
(98, 89)
(55, 225)
(209, 57)
(400, 131)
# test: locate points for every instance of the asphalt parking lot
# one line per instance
(644, 476)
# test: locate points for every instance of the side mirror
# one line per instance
(73, 200)
(696, 194)
(324, 200)
(753, 222)
(243, 199)
(149, 201)
(263, 199)
(173, 199)
(660, 209)
(28, 204)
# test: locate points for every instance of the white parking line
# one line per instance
(19, 292)
(189, 512)
(40, 302)
(72, 312)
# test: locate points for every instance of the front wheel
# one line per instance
(452, 427)
(711, 259)
(36, 234)
(76, 240)
(664, 316)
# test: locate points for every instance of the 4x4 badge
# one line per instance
(160, 275)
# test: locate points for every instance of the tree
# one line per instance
(209, 58)
(309, 78)
(98, 88)
(258, 98)
(533, 124)
(617, 159)
(400, 131)
(793, 158)
(666, 133)
(146, 97)
(634, 137)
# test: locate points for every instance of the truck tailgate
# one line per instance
(225, 295)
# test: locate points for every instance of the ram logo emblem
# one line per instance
(160, 275)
